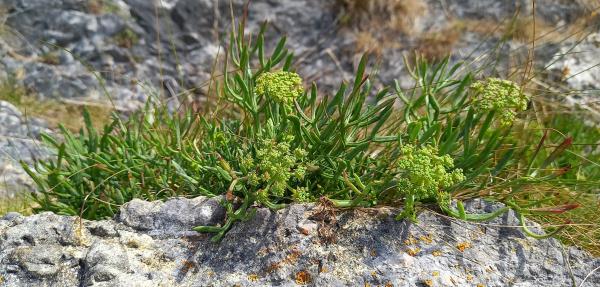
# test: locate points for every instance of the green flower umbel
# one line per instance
(503, 96)
(424, 172)
(283, 87)
(278, 165)
(423, 175)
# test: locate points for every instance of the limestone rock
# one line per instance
(150, 244)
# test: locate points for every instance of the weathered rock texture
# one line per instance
(19, 140)
(150, 244)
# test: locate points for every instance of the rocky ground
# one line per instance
(150, 244)
(18, 141)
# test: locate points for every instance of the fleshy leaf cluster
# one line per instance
(281, 86)
(502, 96)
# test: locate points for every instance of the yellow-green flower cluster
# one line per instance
(302, 194)
(425, 173)
(503, 96)
(275, 166)
(281, 86)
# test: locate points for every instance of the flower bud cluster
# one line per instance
(282, 86)
(503, 96)
(425, 172)
(275, 166)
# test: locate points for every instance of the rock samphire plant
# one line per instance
(273, 140)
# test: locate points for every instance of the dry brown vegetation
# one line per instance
(376, 26)
(435, 46)
(394, 15)
(102, 6)
(54, 112)
(377, 23)
(19, 203)
(525, 30)
(583, 229)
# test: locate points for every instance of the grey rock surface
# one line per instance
(575, 69)
(19, 140)
(150, 244)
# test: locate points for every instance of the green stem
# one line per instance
(342, 203)
(409, 209)
(472, 217)
(535, 235)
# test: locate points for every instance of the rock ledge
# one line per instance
(150, 244)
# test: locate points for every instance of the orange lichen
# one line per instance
(303, 231)
(462, 246)
(410, 241)
(302, 277)
(373, 253)
(289, 259)
(426, 238)
(273, 267)
(187, 266)
(292, 257)
(413, 251)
